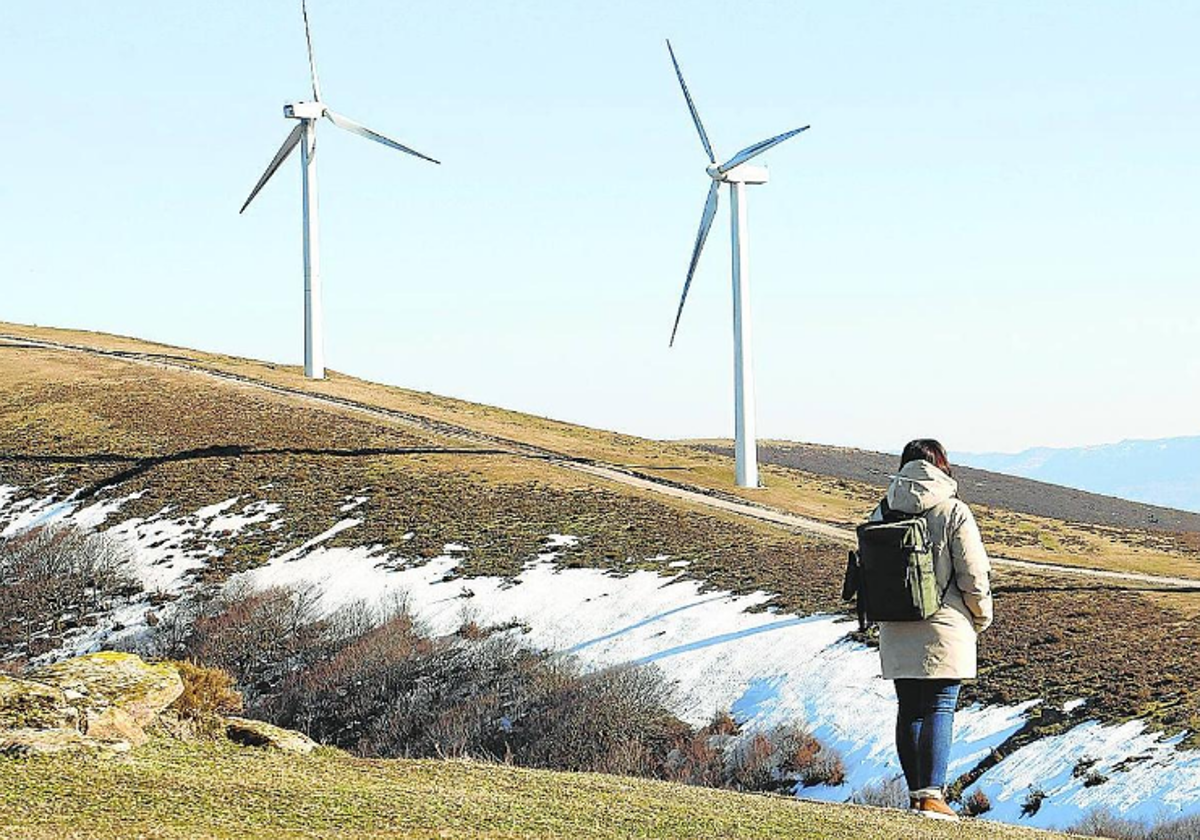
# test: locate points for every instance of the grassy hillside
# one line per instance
(208, 790)
(826, 497)
(435, 471)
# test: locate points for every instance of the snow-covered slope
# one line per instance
(766, 666)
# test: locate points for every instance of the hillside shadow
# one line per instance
(644, 622)
(140, 465)
(724, 638)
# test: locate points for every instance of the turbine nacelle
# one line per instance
(744, 174)
(304, 110)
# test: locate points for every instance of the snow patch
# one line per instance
(317, 540)
(251, 514)
(95, 514)
(1155, 778)
(352, 502)
(29, 513)
(767, 668)
(213, 510)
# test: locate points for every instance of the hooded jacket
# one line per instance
(943, 645)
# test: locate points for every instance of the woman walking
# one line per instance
(929, 659)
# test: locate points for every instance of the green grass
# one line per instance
(170, 789)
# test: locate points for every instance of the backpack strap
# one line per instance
(890, 514)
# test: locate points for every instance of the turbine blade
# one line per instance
(706, 220)
(312, 61)
(290, 143)
(712, 158)
(757, 149)
(363, 131)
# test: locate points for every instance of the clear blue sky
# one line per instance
(991, 234)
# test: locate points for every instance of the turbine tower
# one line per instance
(304, 135)
(738, 175)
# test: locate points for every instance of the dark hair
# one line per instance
(926, 449)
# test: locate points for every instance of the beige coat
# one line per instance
(942, 646)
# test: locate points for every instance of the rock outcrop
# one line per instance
(98, 703)
(102, 703)
(256, 733)
(102, 682)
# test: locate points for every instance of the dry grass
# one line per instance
(822, 497)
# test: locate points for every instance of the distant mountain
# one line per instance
(1160, 472)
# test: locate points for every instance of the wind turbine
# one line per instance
(738, 175)
(305, 136)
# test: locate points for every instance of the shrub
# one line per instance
(613, 720)
(1102, 822)
(976, 804)
(698, 758)
(54, 579)
(780, 758)
(753, 764)
(885, 793)
(1033, 801)
(257, 637)
(806, 758)
(371, 681)
(206, 692)
(1183, 828)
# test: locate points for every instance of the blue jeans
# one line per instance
(924, 730)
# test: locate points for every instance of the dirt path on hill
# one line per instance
(707, 498)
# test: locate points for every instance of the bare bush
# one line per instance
(54, 579)
(779, 759)
(259, 637)
(614, 720)
(371, 681)
(698, 758)
(1103, 822)
(1183, 828)
(1032, 803)
(884, 793)
(976, 804)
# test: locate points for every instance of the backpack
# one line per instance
(891, 575)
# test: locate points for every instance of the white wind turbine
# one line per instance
(305, 136)
(737, 174)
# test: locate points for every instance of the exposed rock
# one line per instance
(27, 742)
(108, 679)
(100, 703)
(114, 724)
(30, 705)
(256, 733)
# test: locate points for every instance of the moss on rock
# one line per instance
(30, 705)
(99, 681)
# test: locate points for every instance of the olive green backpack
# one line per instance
(891, 575)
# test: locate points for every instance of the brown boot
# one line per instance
(936, 808)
